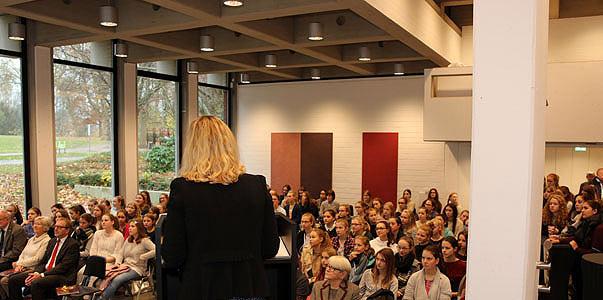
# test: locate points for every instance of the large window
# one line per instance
(213, 95)
(157, 126)
(83, 110)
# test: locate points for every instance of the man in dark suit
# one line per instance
(12, 240)
(58, 267)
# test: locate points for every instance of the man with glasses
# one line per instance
(57, 268)
(12, 240)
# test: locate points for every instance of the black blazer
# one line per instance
(218, 236)
(66, 262)
(295, 214)
(15, 240)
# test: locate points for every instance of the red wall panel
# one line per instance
(380, 164)
(285, 166)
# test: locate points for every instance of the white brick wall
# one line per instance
(347, 108)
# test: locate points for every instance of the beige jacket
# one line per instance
(347, 291)
(415, 287)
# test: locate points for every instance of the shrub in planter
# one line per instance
(161, 158)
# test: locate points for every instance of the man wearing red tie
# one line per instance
(58, 267)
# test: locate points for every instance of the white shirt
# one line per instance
(280, 210)
(60, 242)
(377, 244)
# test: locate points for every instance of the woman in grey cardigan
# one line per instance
(429, 283)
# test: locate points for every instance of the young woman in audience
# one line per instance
(421, 217)
(373, 217)
(311, 253)
(328, 218)
(83, 234)
(164, 199)
(123, 223)
(453, 199)
(91, 204)
(384, 238)
(32, 214)
(343, 242)
(148, 221)
(451, 220)
(307, 206)
(453, 268)
(98, 212)
(55, 207)
(61, 213)
(406, 263)
(437, 231)
(554, 216)
(324, 262)
(405, 202)
(422, 239)
(134, 253)
(133, 211)
(360, 227)
(388, 210)
(395, 227)
(366, 198)
(141, 202)
(428, 283)
(462, 238)
(108, 241)
(381, 276)
(576, 214)
(75, 212)
(14, 210)
(434, 196)
(293, 208)
(362, 258)
(409, 226)
(378, 205)
(568, 196)
(33, 252)
(361, 209)
(429, 209)
(336, 285)
(118, 203)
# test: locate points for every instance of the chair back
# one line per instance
(95, 266)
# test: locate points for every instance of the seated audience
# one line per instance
(381, 276)
(305, 228)
(307, 206)
(90, 205)
(428, 283)
(360, 227)
(292, 208)
(576, 214)
(328, 218)
(12, 240)
(429, 209)
(421, 217)
(453, 267)
(464, 217)
(554, 216)
(133, 211)
(75, 212)
(343, 243)
(311, 254)
(438, 230)
(453, 199)
(362, 258)
(107, 204)
(147, 203)
(141, 202)
(329, 204)
(32, 214)
(384, 238)
(15, 212)
(451, 220)
(373, 217)
(405, 202)
(388, 210)
(462, 238)
(366, 198)
(164, 199)
(377, 204)
(409, 226)
(422, 239)
(98, 212)
(118, 203)
(108, 241)
(324, 262)
(361, 209)
(148, 221)
(56, 268)
(123, 223)
(434, 196)
(395, 227)
(55, 207)
(336, 285)
(135, 252)
(83, 235)
(406, 263)
(343, 212)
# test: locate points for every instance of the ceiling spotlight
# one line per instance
(365, 54)
(108, 16)
(244, 78)
(16, 31)
(398, 69)
(315, 32)
(120, 49)
(315, 73)
(207, 43)
(233, 3)
(270, 61)
(192, 67)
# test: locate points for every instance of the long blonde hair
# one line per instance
(211, 153)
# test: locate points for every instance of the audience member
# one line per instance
(310, 256)
(576, 213)
(429, 207)
(305, 228)
(322, 197)
(361, 228)
(328, 218)
(343, 212)
(307, 206)
(285, 190)
(75, 212)
(98, 212)
(336, 285)
(462, 238)
(57, 267)
(83, 235)
(554, 216)
(362, 258)
(428, 283)
(437, 231)
(141, 202)
(377, 204)
(133, 211)
(54, 208)
(148, 221)
(453, 199)
(381, 276)
(292, 208)
(164, 199)
(421, 217)
(330, 204)
(361, 209)
(422, 239)
(12, 240)
(277, 208)
(366, 198)
(406, 263)
(407, 202)
(388, 210)
(91, 204)
(395, 227)
(384, 238)
(343, 242)
(32, 214)
(123, 223)
(464, 217)
(15, 212)
(453, 267)
(373, 217)
(451, 220)
(409, 226)
(118, 203)
(434, 196)
(324, 262)
(107, 241)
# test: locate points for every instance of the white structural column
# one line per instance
(507, 157)
(127, 140)
(41, 122)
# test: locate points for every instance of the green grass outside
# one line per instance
(14, 143)
(13, 169)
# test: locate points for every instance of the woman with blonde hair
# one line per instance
(311, 253)
(409, 227)
(213, 184)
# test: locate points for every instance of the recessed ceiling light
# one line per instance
(270, 61)
(233, 3)
(315, 32)
(365, 54)
(315, 73)
(16, 31)
(398, 69)
(108, 16)
(207, 43)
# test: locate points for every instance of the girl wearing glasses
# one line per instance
(384, 237)
(381, 276)
(406, 263)
(429, 283)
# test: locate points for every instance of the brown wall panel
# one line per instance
(316, 162)
(285, 167)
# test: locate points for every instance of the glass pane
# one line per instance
(217, 79)
(212, 101)
(157, 104)
(94, 53)
(167, 67)
(5, 43)
(12, 184)
(83, 134)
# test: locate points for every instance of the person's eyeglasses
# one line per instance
(64, 227)
(333, 268)
(379, 228)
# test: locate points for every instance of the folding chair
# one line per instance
(95, 267)
(137, 286)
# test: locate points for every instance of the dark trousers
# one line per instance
(41, 288)
(6, 266)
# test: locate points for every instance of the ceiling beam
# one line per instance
(553, 9)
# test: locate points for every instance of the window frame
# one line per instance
(228, 102)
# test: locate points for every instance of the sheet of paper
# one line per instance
(282, 250)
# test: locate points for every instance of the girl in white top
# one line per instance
(384, 238)
(108, 241)
(381, 276)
